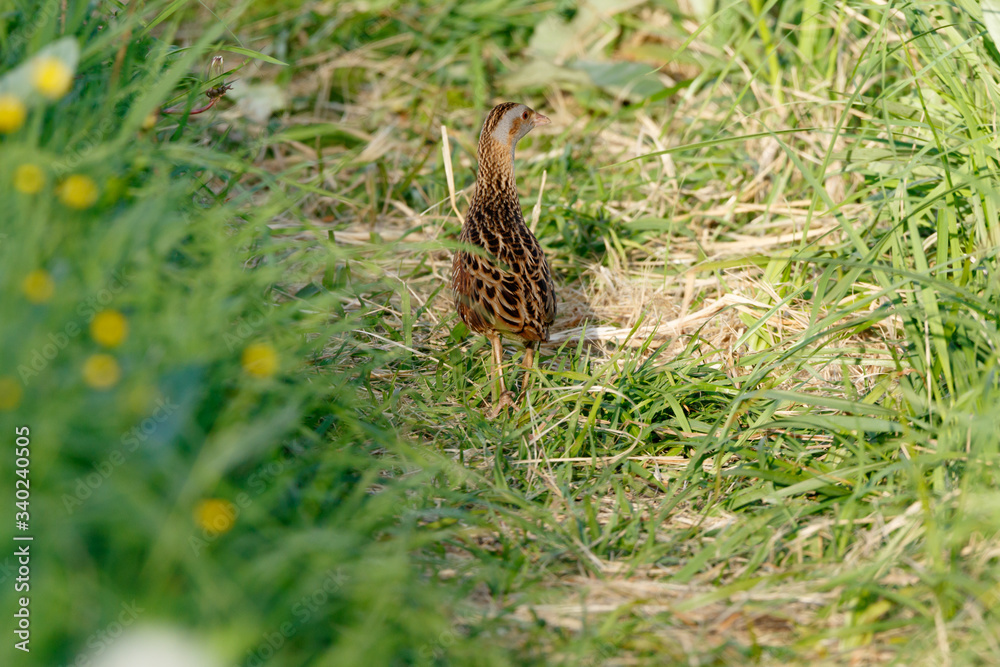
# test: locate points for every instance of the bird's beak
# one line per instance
(541, 120)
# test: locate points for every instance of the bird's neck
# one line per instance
(496, 172)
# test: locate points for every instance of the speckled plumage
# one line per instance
(506, 290)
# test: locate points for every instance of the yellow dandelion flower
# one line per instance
(38, 286)
(29, 178)
(12, 113)
(109, 328)
(260, 360)
(215, 515)
(51, 77)
(78, 191)
(101, 371)
(10, 393)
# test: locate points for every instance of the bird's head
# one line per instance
(508, 123)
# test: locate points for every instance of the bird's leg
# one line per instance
(529, 356)
(504, 398)
(497, 366)
(527, 363)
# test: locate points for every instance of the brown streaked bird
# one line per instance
(506, 289)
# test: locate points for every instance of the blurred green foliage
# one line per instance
(218, 445)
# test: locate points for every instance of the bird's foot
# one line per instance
(506, 401)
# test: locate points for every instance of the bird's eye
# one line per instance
(525, 115)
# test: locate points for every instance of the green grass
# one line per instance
(764, 431)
